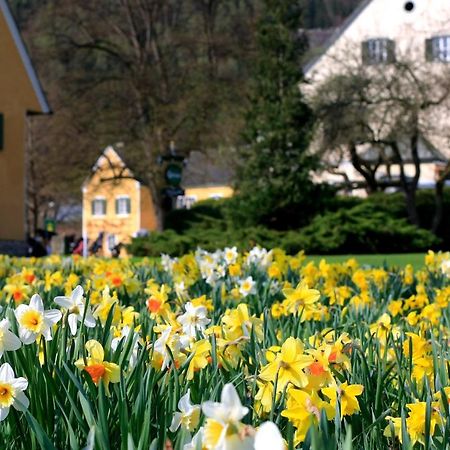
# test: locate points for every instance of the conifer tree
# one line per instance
(274, 182)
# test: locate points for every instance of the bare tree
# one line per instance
(387, 120)
(147, 72)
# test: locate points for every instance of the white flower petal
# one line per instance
(268, 436)
(6, 372)
(10, 342)
(4, 324)
(77, 294)
(73, 322)
(230, 399)
(20, 383)
(184, 403)
(64, 302)
(47, 334)
(20, 310)
(89, 320)
(52, 316)
(27, 336)
(4, 413)
(36, 303)
(176, 421)
(21, 402)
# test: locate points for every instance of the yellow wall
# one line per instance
(206, 192)
(148, 214)
(123, 227)
(17, 96)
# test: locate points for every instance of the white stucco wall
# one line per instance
(410, 30)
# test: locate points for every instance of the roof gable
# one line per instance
(338, 33)
(383, 19)
(25, 58)
(111, 161)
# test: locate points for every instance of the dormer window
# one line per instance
(438, 49)
(378, 51)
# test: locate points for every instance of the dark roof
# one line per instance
(428, 153)
(338, 33)
(318, 37)
(202, 169)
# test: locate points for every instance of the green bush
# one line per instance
(168, 242)
(174, 244)
(347, 225)
(362, 229)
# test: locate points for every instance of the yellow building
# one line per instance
(115, 203)
(20, 96)
(194, 194)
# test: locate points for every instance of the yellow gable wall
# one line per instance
(206, 192)
(123, 227)
(16, 98)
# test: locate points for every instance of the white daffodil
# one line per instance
(76, 308)
(160, 346)
(259, 257)
(34, 321)
(124, 333)
(223, 428)
(193, 319)
(445, 267)
(189, 414)
(268, 436)
(230, 255)
(11, 391)
(247, 287)
(197, 441)
(9, 342)
(230, 408)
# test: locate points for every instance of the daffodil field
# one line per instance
(224, 351)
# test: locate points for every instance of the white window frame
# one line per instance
(378, 51)
(441, 48)
(94, 200)
(117, 202)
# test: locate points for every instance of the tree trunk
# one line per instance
(439, 199)
(409, 187)
(368, 175)
(411, 207)
(439, 205)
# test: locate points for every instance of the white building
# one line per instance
(378, 33)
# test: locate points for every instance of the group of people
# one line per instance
(76, 247)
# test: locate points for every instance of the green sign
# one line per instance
(50, 225)
(173, 174)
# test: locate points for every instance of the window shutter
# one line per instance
(128, 206)
(391, 51)
(103, 206)
(365, 53)
(93, 207)
(429, 50)
(2, 132)
(117, 206)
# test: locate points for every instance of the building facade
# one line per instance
(20, 97)
(116, 205)
(377, 34)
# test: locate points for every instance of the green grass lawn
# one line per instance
(416, 259)
(400, 260)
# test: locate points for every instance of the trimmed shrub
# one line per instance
(362, 229)
(347, 225)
